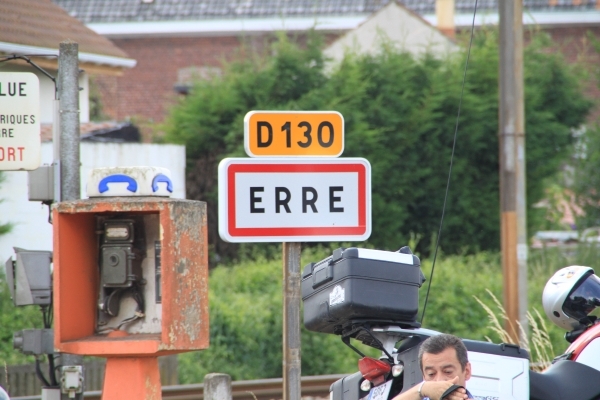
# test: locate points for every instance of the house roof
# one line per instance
(107, 131)
(110, 11)
(466, 6)
(38, 26)
(395, 23)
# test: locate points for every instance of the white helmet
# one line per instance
(569, 296)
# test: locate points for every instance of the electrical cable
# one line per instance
(138, 297)
(437, 244)
(49, 204)
(43, 71)
(26, 58)
(47, 321)
(51, 311)
(38, 372)
(43, 309)
(51, 370)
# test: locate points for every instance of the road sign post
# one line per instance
(308, 196)
(292, 296)
(20, 144)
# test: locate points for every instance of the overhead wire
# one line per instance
(462, 90)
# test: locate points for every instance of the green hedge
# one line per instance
(246, 312)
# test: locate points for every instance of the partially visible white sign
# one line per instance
(20, 143)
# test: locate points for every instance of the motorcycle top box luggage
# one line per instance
(361, 286)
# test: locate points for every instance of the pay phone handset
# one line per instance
(122, 249)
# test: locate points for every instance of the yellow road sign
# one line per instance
(294, 133)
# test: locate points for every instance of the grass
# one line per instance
(543, 340)
(537, 343)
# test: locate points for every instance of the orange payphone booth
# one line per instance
(130, 282)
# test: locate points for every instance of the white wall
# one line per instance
(30, 219)
(47, 92)
(393, 25)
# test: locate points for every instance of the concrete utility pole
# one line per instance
(291, 321)
(68, 92)
(68, 152)
(512, 166)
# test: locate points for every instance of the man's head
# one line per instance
(442, 357)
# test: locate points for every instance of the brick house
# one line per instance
(175, 39)
(35, 28)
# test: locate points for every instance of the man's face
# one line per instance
(444, 367)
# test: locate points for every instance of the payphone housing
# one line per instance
(130, 276)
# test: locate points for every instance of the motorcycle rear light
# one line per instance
(365, 386)
(374, 370)
(397, 370)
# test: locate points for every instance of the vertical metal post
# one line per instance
(291, 321)
(512, 165)
(69, 161)
(68, 89)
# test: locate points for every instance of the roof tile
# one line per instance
(41, 23)
(100, 11)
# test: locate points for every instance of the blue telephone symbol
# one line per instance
(118, 178)
(161, 178)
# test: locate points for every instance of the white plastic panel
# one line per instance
(495, 377)
(590, 355)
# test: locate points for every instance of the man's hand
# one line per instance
(435, 389)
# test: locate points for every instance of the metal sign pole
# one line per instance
(291, 321)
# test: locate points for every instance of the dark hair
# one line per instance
(438, 343)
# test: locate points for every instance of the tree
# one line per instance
(400, 114)
(586, 160)
(586, 183)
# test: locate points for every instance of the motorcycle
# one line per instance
(372, 296)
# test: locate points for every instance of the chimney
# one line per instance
(444, 11)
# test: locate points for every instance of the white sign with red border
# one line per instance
(294, 200)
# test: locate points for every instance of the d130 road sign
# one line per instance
(294, 133)
(20, 144)
(288, 200)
